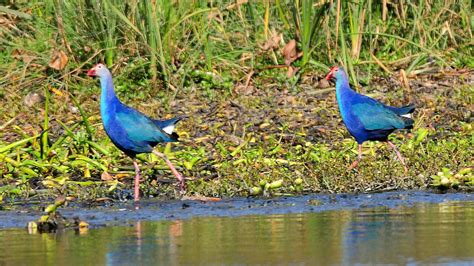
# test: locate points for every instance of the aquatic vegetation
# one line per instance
(447, 179)
(52, 220)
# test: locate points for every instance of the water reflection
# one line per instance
(423, 234)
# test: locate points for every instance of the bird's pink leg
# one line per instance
(171, 166)
(137, 180)
(359, 157)
(398, 155)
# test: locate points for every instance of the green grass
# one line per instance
(199, 58)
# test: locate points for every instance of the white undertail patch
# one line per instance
(168, 129)
(407, 115)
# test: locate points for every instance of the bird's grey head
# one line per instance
(98, 70)
(336, 73)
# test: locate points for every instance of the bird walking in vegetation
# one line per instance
(366, 118)
(130, 130)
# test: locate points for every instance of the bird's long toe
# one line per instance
(353, 165)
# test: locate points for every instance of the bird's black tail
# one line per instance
(404, 113)
(408, 122)
(407, 109)
(169, 123)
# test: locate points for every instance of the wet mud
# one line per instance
(123, 213)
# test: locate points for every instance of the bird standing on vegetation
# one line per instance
(130, 130)
(366, 118)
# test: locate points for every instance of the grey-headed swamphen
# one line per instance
(130, 130)
(366, 118)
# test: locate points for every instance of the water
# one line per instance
(423, 233)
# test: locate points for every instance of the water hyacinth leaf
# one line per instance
(421, 135)
(189, 164)
(114, 185)
(298, 181)
(255, 191)
(51, 208)
(28, 172)
(87, 171)
(268, 161)
(167, 149)
(43, 218)
(49, 183)
(465, 171)
(62, 180)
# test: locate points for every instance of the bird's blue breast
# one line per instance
(346, 97)
(121, 138)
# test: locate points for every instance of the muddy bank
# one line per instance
(152, 210)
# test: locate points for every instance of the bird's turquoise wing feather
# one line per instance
(139, 127)
(377, 117)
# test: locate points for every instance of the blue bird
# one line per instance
(366, 118)
(130, 130)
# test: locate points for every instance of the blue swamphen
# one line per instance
(130, 130)
(366, 118)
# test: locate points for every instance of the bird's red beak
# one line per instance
(330, 75)
(91, 72)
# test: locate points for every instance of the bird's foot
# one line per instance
(406, 170)
(137, 197)
(173, 170)
(353, 165)
(136, 193)
(182, 188)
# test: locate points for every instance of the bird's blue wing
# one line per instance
(407, 109)
(168, 122)
(375, 116)
(140, 128)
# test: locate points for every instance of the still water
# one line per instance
(424, 233)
